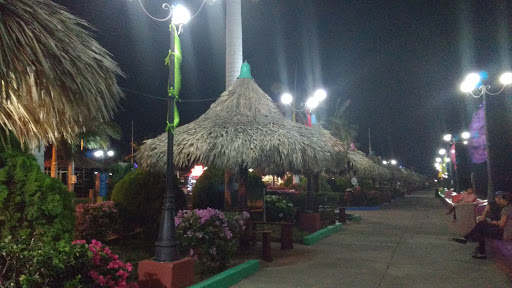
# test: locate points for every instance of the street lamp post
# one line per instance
(166, 247)
(103, 176)
(311, 103)
(470, 84)
(452, 140)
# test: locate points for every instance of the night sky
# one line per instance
(399, 62)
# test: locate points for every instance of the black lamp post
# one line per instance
(470, 84)
(166, 246)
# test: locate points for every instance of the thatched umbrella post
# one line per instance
(243, 187)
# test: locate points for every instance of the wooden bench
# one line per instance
(286, 232)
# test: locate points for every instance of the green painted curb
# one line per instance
(354, 217)
(321, 234)
(231, 276)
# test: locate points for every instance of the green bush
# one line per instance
(96, 221)
(279, 210)
(208, 192)
(327, 199)
(31, 203)
(139, 197)
(35, 263)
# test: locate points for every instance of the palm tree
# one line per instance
(54, 77)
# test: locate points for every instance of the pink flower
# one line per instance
(78, 242)
(129, 267)
(93, 274)
(102, 281)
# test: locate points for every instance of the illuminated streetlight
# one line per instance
(385, 162)
(320, 94)
(442, 151)
(393, 162)
(286, 98)
(447, 137)
(438, 160)
(465, 135)
(469, 85)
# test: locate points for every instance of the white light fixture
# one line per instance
(447, 137)
(110, 153)
(312, 103)
(506, 78)
(393, 162)
(286, 98)
(465, 135)
(180, 15)
(465, 142)
(99, 153)
(447, 160)
(470, 82)
(442, 151)
(438, 160)
(320, 94)
(385, 162)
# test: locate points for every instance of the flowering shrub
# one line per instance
(35, 263)
(209, 235)
(106, 270)
(278, 209)
(96, 221)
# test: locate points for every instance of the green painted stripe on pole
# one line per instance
(231, 276)
(321, 234)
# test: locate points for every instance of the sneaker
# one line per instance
(460, 240)
(480, 256)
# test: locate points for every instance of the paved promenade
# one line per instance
(406, 244)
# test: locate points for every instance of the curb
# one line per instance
(353, 217)
(367, 208)
(321, 234)
(231, 276)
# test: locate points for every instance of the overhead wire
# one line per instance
(165, 98)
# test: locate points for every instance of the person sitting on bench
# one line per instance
(492, 211)
(501, 229)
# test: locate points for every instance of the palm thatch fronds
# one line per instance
(53, 75)
(244, 127)
(365, 167)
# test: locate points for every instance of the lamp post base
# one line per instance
(175, 274)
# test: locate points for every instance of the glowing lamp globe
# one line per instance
(286, 98)
(320, 94)
(506, 78)
(99, 153)
(312, 103)
(465, 135)
(180, 15)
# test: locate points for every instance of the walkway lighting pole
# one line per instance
(452, 140)
(470, 84)
(166, 247)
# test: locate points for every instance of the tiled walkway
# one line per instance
(405, 244)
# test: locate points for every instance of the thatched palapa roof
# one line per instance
(365, 167)
(53, 75)
(244, 127)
